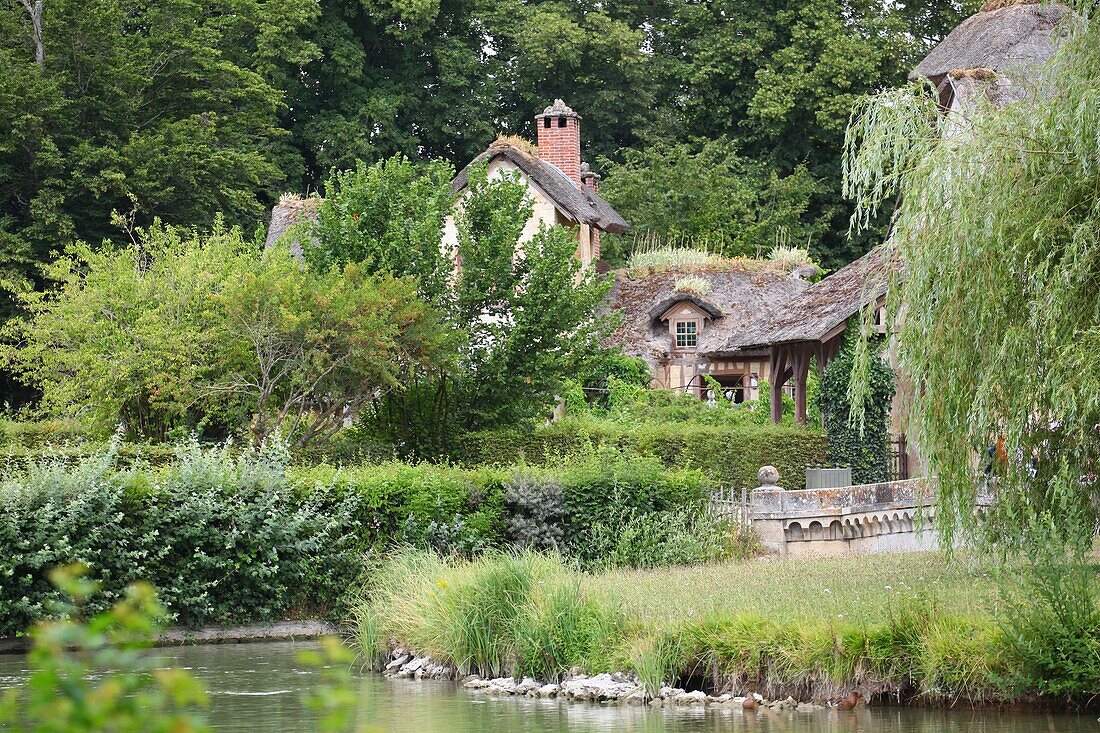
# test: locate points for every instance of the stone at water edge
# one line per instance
(550, 690)
(505, 685)
(526, 685)
(666, 691)
(698, 697)
(397, 662)
(476, 683)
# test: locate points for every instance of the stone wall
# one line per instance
(893, 516)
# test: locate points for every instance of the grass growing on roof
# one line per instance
(667, 258)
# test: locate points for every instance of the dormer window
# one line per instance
(687, 334)
(685, 317)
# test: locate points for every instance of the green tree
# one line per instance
(389, 217)
(711, 196)
(186, 332)
(523, 315)
(158, 110)
(780, 77)
(997, 317)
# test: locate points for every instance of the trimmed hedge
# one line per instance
(232, 537)
(728, 456)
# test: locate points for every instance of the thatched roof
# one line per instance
(289, 211)
(1009, 35)
(579, 203)
(734, 299)
(819, 309)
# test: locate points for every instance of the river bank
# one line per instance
(243, 634)
(908, 629)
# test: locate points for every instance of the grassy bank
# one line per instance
(912, 627)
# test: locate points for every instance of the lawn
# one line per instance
(854, 589)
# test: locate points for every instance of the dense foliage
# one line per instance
(729, 456)
(228, 537)
(712, 197)
(861, 442)
(997, 316)
(182, 109)
(522, 313)
(180, 332)
(167, 110)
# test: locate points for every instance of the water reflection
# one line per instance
(257, 688)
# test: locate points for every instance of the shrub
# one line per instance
(728, 456)
(1052, 623)
(425, 505)
(223, 538)
(536, 510)
(684, 536)
(239, 536)
(863, 445)
(606, 484)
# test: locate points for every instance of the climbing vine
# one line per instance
(861, 444)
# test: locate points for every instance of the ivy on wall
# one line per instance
(865, 448)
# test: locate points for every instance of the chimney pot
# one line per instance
(560, 144)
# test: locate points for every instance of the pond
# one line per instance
(256, 688)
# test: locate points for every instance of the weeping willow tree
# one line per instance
(995, 299)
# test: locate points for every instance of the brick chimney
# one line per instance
(559, 134)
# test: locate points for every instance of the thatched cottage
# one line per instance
(996, 53)
(741, 323)
(562, 189)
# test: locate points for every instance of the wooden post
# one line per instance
(800, 364)
(779, 378)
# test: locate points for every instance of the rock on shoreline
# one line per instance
(618, 688)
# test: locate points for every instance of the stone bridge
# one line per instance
(894, 516)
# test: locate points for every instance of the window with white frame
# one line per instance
(687, 334)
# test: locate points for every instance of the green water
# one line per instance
(256, 688)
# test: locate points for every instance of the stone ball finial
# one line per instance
(768, 476)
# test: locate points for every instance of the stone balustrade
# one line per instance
(893, 516)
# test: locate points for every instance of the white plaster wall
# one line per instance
(544, 213)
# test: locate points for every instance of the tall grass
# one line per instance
(521, 613)
(529, 614)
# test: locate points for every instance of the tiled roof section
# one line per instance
(289, 211)
(1009, 35)
(581, 204)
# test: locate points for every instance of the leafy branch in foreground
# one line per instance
(993, 300)
(66, 691)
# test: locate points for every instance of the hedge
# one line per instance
(240, 537)
(728, 456)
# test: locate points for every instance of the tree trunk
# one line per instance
(34, 9)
